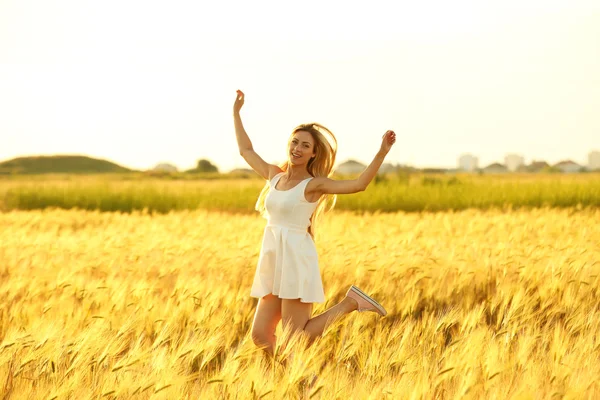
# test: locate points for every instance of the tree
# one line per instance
(206, 166)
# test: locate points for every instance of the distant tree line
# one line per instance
(204, 165)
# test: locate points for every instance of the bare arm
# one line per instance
(261, 167)
(329, 186)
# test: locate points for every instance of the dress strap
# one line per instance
(303, 185)
(275, 179)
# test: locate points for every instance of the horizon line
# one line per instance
(390, 162)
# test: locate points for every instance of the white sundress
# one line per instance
(288, 265)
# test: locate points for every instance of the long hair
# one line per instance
(320, 165)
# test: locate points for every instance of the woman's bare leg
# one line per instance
(266, 318)
(294, 316)
(317, 325)
(297, 314)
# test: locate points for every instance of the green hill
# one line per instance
(59, 165)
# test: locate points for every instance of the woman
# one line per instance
(287, 279)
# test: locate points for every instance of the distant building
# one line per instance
(594, 160)
(568, 166)
(467, 162)
(537, 166)
(495, 168)
(350, 167)
(513, 162)
(164, 167)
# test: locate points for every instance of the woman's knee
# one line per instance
(262, 336)
(295, 314)
(293, 325)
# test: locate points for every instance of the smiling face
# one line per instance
(301, 148)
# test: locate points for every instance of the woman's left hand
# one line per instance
(389, 138)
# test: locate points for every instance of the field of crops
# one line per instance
(482, 304)
(395, 192)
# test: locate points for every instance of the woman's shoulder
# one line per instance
(319, 179)
(274, 170)
(315, 182)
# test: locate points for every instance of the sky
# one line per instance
(146, 82)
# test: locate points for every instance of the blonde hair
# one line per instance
(321, 164)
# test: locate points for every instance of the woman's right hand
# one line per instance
(239, 101)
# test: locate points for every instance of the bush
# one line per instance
(206, 166)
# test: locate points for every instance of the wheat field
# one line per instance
(482, 304)
(389, 193)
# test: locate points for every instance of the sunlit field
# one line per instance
(482, 304)
(392, 192)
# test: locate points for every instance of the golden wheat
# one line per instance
(482, 305)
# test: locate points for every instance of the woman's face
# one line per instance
(302, 148)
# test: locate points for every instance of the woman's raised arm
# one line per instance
(261, 167)
(324, 185)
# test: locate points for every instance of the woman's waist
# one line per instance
(288, 225)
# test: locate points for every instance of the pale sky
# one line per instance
(143, 82)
